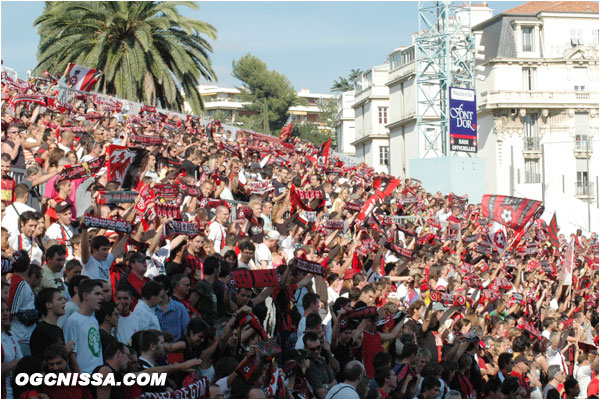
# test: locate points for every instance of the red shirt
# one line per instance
(137, 284)
(371, 345)
(593, 388)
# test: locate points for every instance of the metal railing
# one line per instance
(531, 143)
(17, 174)
(584, 144)
(584, 189)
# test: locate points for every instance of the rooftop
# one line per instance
(534, 7)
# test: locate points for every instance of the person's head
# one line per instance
(211, 266)
(137, 263)
(56, 358)
(90, 293)
(271, 239)
(423, 357)
(151, 293)
(453, 394)
(100, 247)
(367, 294)
(353, 371)
(310, 302)
(116, 355)
(6, 161)
(215, 392)
(195, 244)
(108, 313)
(21, 193)
(50, 301)
(313, 323)
(181, 286)
(555, 373)
(385, 377)
(521, 365)
(27, 223)
(152, 344)
(34, 276)
(416, 308)
(267, 207)
(55, 257)
(409, 352)
(123, 297)
(430, 387)
(312, 344)
(505, 362)
(222, 215)
(197, 332)
(571, 387)
(247, 249)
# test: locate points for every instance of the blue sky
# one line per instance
(312, 43)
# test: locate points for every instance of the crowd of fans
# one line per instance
(402, 307)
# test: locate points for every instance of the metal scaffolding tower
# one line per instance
(444, 58)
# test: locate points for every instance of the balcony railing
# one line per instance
(582, 189)
(531, 143)
(538, 96)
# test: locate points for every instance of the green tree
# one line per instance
(269, 93)
(147, 51)
(341, 85)
(353, 75)
(309, 131)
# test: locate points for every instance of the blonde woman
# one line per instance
(340, 201)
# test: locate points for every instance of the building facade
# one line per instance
(311, 111)
(344, 123)
(538, 101)
(371, 107)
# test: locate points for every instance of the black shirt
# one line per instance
(106, 338)
(174, 268)
(43, 336)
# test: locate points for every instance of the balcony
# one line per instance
(532, 148)
(584, 191)
(583, 148)
(537, 99)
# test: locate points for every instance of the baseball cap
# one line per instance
(137, 257)
(272, 235)
(521, 359)
(62, 206)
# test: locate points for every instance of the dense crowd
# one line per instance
(267, 268)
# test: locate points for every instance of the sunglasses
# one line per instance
(316, 348)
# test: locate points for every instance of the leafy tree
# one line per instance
(269, 93)
(222, 116)
(310, 132)
(341, 85)
(354, 74)
(147, 51)
(328, 109)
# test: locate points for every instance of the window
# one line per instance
(528, 78)
(576, 37)
(382, 115)
(579, 78)
(595, 35)
(528, 39)
(532, 171)
(582, 185)
(530, 123)
(384, 155)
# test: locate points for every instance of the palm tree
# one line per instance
(341, 85)
(354, 74)
(147, 51)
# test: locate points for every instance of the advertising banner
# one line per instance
(463, 120)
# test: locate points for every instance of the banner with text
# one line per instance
(463, 120)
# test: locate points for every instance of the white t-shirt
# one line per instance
(22, 242)
(10, 222)
(342, 391)
(61, 233)
(147, 317)
(156, 266)
(98, 269)
(11, 351)
(70, 308)
(85, 332)
(584, 377)
(217, 234)
(127, 327)
(263, 253)
(24, 300)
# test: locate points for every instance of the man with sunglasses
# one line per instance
(319, 374)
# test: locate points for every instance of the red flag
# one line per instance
(553, 232)
(82, 78)
(512, 212)
(386, 185)
(368, 207)
(286, 131)
(323, 154)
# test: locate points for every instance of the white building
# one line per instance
(371, 104)
(311, 111)
(538, 104)
(344, 128)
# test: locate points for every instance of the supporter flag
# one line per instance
(386, 185)
(497, 236)
(553, 232)
(512, 212)
(125, 164)
(368, 207)
(286, 131)
(323, 154)
(566, 274)
(82, 78)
